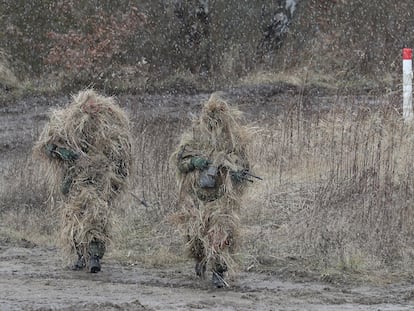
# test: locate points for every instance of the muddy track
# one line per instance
(33, 279)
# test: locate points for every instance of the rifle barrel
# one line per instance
(251, 175)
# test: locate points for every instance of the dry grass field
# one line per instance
(330, 225)
(336, 195)
(335, 204)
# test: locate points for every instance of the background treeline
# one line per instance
(194, 44)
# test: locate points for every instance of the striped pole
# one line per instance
(407, 84)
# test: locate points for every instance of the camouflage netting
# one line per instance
(210, 215)
(90, 187)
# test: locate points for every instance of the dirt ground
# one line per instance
(32, 278)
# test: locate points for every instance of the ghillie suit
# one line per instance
(87, 151)
(212, 169)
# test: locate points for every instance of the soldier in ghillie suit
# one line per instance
(212, 170)
(87, 151)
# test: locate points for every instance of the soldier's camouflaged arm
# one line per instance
(185, 165)
(191, 163)
(56, 152)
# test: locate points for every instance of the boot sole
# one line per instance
(218, 281)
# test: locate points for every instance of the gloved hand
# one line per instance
(51, 150)
(200, 163)
(67, 154)
(54, 151)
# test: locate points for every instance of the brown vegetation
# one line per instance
(357, 43)
(336, 196)
(125, 46)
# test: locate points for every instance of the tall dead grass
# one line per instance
(23, 196)
(144, 231)
(337, 190)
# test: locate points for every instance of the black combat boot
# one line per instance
(94, 264)
(79, 264)
(218, 276)
(96, 252)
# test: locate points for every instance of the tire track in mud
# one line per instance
(33, 279)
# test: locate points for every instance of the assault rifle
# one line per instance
(244, 174)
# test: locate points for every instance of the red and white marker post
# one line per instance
(407, 84)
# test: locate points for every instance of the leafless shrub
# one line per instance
(95, 52)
